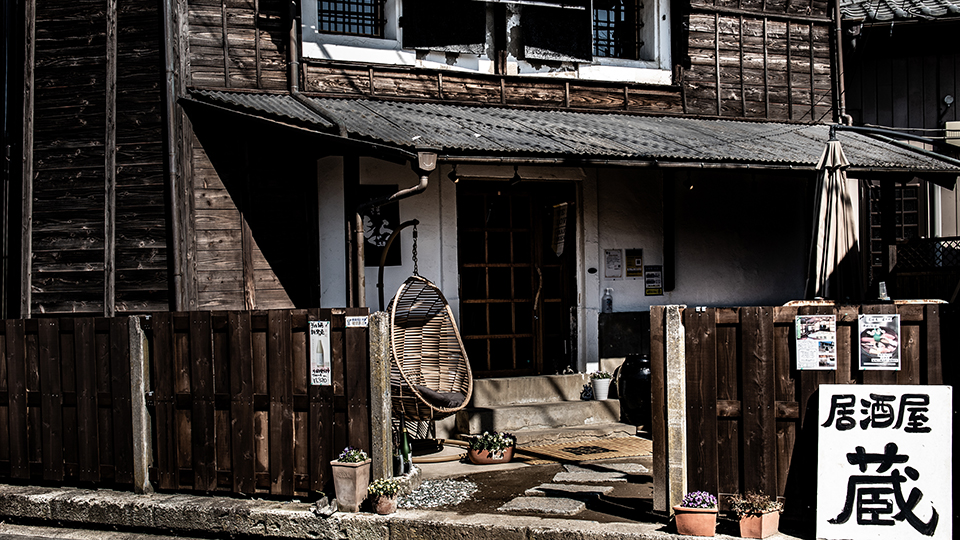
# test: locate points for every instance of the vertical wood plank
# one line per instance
(241, 404)
(786, 386)
(338, 377)
(202, 422)
(281, 406)
(701, 357)
(121, 401)
(110, 165)
(162, 379)
(357, 382)
(759, 407)
(728, 428)
(932, 367)
(17, 408)
(322, 446)
(658, 420)
(225, 33)
(88, 446)
(26, 178)
(716, 57)
(51, 399)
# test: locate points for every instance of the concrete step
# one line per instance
(522, 390)
(540, 415)
(538, 437)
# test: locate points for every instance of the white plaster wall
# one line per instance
(741, 239)
(333, 262)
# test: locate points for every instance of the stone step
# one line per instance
(545, 505)
(540, 415)
(522, 390)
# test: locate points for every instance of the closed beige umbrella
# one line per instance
(834, 270)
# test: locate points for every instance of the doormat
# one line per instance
(585, 450)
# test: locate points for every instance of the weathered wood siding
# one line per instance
(97, 233)
(759, 60)
(237, 43)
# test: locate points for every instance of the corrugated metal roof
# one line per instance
(457, 130)
(889, 10)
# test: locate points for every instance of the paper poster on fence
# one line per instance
(817, 342)
(884, 468)
(879, 342)
(320, 353)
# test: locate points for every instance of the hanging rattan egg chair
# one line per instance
(430, 375)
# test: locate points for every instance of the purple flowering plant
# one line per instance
(352, 455)
(699, 499)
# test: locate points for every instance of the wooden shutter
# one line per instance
(556, 34)
(444, 25)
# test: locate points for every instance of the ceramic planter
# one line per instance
(696, 521)
(601, 388)
(384, 504)
(760, 526)
(483, 457)
(350, 480)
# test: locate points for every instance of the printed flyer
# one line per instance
(817, 342)
(879, 340)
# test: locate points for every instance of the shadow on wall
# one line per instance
(270, 175)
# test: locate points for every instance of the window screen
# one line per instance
(616, 29)
(355, 18)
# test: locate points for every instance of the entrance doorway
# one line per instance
(517, 276)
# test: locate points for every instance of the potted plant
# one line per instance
(383, 495)
(601, 384)
(696, 515)
(759, 514)
(351, 475)
(496, 447)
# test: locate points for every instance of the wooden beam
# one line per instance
(766, 69)
(110, 166)
(225, 43)
(716, 58)
(26, 223)
(789, 72)
(743, 86)
(256, 41)
(813, 78)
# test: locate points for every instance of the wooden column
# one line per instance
(26, 224)
(110, 166)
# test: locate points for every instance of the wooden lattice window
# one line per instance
(909, 218)
(616, 29)
(352, 17)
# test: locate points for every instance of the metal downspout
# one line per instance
(841, 100)
(176, 247)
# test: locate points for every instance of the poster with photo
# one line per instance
(879, 342)
(816, 342)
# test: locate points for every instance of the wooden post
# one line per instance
(676, 404)
(381, 439)
(26, 224)
(110, 165)
(142, 450)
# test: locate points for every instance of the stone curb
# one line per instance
(224, 516)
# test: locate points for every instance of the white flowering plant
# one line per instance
(698, 499)
(600, 375)
(383, 487)
(494, 443)
(352, 455)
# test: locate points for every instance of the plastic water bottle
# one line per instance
(606, 303)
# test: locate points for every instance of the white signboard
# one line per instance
(320, 353)
(885, 466)
(357, 322)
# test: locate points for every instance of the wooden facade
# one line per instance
(132, 204)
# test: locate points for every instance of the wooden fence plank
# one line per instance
(51, 399)
(88, 428)
(338, 376)
(728, 384)
(357, 382)
(17, 400)
(932, 366)
(163, 383)
(701, 351)
(241, 404)
(281, 403)
(759, 406)
(320, 420)
(658, 421)
(202, 422)
(121, 401)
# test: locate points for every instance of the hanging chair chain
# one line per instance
(416, 268)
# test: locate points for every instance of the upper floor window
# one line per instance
(353, 18)
(616, 29)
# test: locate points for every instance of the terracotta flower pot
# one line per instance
(483, 457)
(350, 480)
(384, 504)
(760, 526)
(601, 388)
(696, 521)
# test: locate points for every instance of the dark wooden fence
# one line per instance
(65, 396)
(233, 407)
(747, 406)
(229, 394)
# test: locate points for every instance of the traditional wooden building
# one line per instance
(213, 154)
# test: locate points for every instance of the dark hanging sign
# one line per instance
(379, 224)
